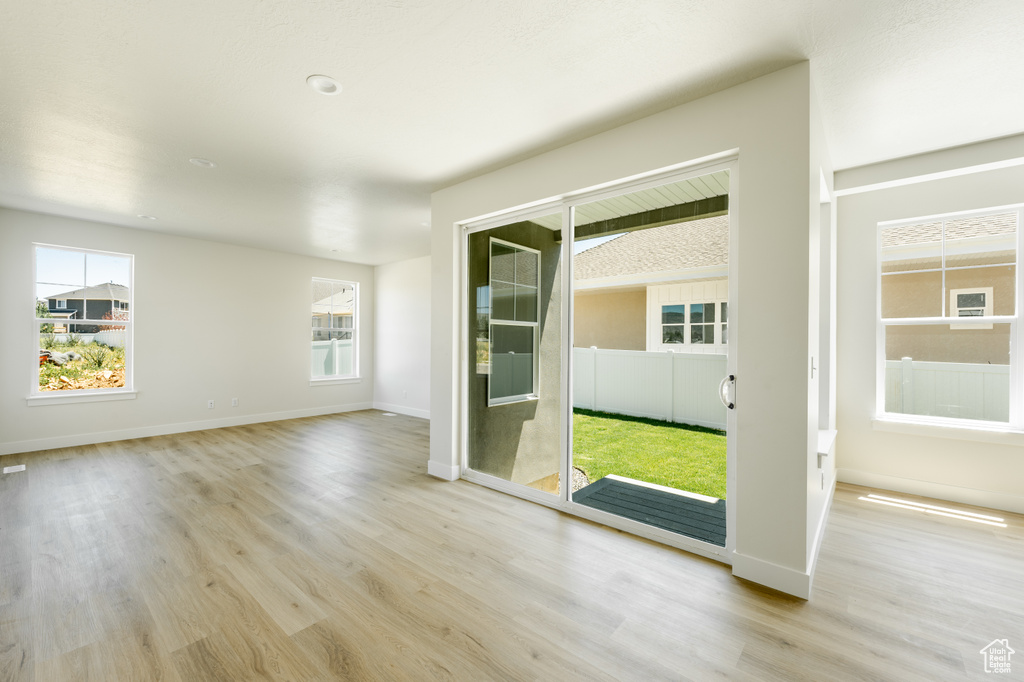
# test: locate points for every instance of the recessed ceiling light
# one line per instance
(325, 85)
(202, 163)
(146, 217)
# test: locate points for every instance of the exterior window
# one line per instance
(513, 322)
(948, 315)
(698, 329)
(82, 320)
(334, 334)
(673, 327)
(702, 327)
(725, 322)
(976, 302)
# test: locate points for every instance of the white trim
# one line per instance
(988, 499)
(167, 429)
(129, 330)
(947, 427)
(354, 376)
(402, 409)
(447, 472)
(929, 177)
(788, 580)
(492, 322)
(812, 563)
(78, 396)
(675, 173)
(333, 381)
(566, 203)
(952, 426)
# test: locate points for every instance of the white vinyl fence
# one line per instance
(331, 358)
(108, 337)
(679, 387)
(948, 389)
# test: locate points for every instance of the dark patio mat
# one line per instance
(678, 513)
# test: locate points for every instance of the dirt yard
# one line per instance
(102, 379)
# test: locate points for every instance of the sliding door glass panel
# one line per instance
(650, 275)
(515, 341)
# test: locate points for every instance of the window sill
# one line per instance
(333, 381)
(65, 399)
(984, 432)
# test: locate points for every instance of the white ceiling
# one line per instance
(103, 102)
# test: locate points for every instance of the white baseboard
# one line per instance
(788, 580)
(940, 491)
(401, 409)
(822, 523)
(166, 429)
(445, 471)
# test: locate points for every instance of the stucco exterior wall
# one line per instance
(611, 320)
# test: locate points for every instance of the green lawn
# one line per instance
(690, 458)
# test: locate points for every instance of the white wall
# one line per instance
(402, 369)
(768, 121)
(251, 305)
(954, 464)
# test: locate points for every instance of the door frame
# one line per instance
(566, 203)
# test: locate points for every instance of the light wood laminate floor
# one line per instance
(319, 549)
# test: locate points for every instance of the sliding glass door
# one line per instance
(597, 334)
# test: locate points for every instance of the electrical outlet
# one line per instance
(209, 404)
(234, 402)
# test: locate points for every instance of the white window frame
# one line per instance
(62, 304)
(353, 376)
(567, 203)
(523, 397)
(948, 317)
(955, 309)
(126, 392)
(688, 343)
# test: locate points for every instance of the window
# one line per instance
(333, 340)
(976, 302)
(702, 318)
(698, 329)
(948, 292)
(82, 322)
(673, 327)
(513, 325)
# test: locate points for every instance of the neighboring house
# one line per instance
(656, 289)
(967, 265)
(91, 303)
(333, 312)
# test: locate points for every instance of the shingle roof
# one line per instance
(963, 228)
(681, 246)
(108, 291)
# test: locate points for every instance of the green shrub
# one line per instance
(47, 341)
(74, 339)
(94, 356)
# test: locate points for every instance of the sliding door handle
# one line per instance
(724, 392)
